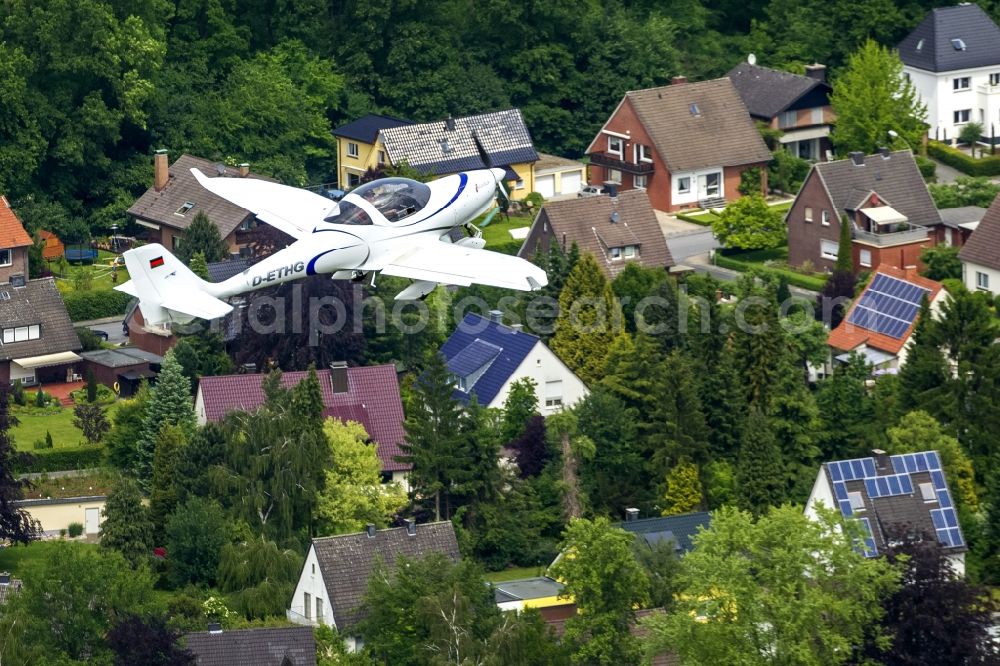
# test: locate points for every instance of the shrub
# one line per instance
(88, 339)
(786, 171)
(61, 459)
(18, 394)
(41, 398)
(104, 395)
(75, 530)
(797, 279)
(928, 168)
(96, 304)
(984, 166)
(535, 199)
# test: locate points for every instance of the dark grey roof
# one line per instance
(930, 46)
(120, 357)
(767, 92)
(346, 561)
(983, 246)
(254, 647)
(366, 128)
(896, 180)
(36, 303)
(496, 139)
(682, 528)
(8, 591)
(220, 271)
(161, 207)
(527, 588)
(953, 217)
(699, 125)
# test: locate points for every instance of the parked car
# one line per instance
(591, 191)
(103, 335)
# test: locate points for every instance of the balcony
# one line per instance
(605, 160)
(898, 234)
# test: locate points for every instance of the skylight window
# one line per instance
(695, 111)
(958, 44)
(920, 45)
(185, 208)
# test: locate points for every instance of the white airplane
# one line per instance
(395, 226)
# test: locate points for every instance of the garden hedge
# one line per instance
(58, 460)
(96, 304)
(791, 277)
(928, 168)
(983, 166)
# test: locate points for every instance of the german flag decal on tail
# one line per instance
(156, 263)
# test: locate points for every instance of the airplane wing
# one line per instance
(462, 265)
(292, 210)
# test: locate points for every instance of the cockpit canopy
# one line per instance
(395, 198)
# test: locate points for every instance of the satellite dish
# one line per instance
(752, 59)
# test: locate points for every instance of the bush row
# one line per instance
(984, 166)
(928, 168)
(97, 304)
(58, 460)
(791, 277)
(705, 221)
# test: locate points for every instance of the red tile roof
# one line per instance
(12, 233)
(372, 399)
(850, 336)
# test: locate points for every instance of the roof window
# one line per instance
(695, 111)
(920, 45)
(188, 205)
(958, 44)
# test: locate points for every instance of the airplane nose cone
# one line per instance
(498, 175)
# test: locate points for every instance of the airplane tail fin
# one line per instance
(167, 290)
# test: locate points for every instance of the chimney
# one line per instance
(244, 170)
(497, 316)
(449, 124)
(161, 172)
(816, 71)
(214, 628)
(4, 578)
(857, 157)
(883, 464)
(678, 80)
(884, 152)
(370, 529)
(338, 377)
(631, 514)
(611, 189)
(411, 527)
(517, 327)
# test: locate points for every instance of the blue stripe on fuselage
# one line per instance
(463, 179)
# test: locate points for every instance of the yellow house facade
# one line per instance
(58, 513)
(359, 147)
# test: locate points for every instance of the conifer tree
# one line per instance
(169, 404)
(677, 427)
(127, 527)
(202, 237)
(169, 451)
(724, 401)
(683, 489)
(199, 266)
(633, 372)
(840, 284)
(924, 378)
(588, 321)
(760, 477)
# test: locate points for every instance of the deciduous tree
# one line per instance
(91, 419)
(259, 577)
(195, 536)
(750, 224)
(148, 641)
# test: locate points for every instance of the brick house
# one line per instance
(14, 243)
(797, 105)
(884, 199)
(686, 144)
(39, 343)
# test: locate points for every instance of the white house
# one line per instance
(953, 60)
(883, 491)
(981, 254)
(335, 575)
(485, 357)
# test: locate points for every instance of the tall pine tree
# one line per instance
(760, 476)
(169, 404)
(588, 321)
(126, 526)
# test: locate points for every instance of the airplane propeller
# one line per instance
(503, 203)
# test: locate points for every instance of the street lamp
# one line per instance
(895, 135)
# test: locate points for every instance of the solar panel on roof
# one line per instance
(869, 550)
(889, 306)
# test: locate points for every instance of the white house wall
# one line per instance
(937, 92)
(821, 493)
(695, 193)
(969, 271)
(199, 409)
(542, 365)
(311, 581)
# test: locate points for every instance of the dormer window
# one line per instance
(630, 251)
(21, 334)
(183, 210)
(615, 253)
(958, 44)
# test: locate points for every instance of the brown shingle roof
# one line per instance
(254, 647)
(587, 222)
(36, 303)
(161, 207)
(699, 125)
(12, 233)
(983, 246)
(346, 561)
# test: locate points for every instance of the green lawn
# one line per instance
(100, 269)
(514, 573)
(18, 560)
(498, 232)
(707, 217)
(32, 427)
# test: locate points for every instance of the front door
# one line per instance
(93, 521)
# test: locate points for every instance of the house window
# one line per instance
(857, 501)
(962, 116)
(643, 153)
(828, 250)
(641, 182)
(806, 149)
(352, 149)
(616, 145)
(519, 184)
(865, 258)
(825, 217)
(381, 157)
(995, 79)
(809, 214)
(183, 210)
(553, 393)
(21, 334)
(960, 83)
(982, 281)
(314, 568)
(713, 183)
(788, 119)
(630, 251)
(6, 257)
(615, 176)
(353, 180)
(927, 492)
(319, 610)
(684, 185)
(307, 604)
(615, 253)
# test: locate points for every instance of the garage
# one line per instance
(546, 185)
(572, 181)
